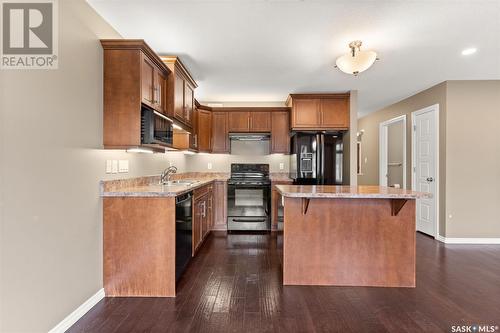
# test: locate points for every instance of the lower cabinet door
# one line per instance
(197, 221)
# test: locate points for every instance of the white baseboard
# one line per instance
(78, 313)
(450, 240)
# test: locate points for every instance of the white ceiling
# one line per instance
(263, 50)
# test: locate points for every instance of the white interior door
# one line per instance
(425, 171)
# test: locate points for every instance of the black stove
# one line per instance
(249, 199)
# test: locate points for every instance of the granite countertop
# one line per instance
(150, 187)
(362, 192)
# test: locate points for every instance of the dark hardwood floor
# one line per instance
(234, 285)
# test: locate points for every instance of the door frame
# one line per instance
(383, 153)
(432, 108)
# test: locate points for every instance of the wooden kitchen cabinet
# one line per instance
(220, 140)
(188, 103)
(198, 205)
(319, 111)
(260, 121)
(220, 206)
(239, 121)
(334, 112)
(203, 215)
(153, 86)
(180, 92)
(178, 98)
(133, 76)
(305, 113)
(210, 214)
(280, 132)
(249, 121)
(204, 132)
(147, 82)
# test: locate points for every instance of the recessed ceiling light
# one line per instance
(469, 51)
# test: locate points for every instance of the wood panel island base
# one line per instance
(348, 235)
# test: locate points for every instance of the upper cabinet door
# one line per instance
(260, 121)
(147, 82)
(220, 132)
(160, 92)
(239, 121)
(179, 97)
(280, 138)
(188, 103)
(193, 136)
(334, 113)
(204, 130)
(305, 113)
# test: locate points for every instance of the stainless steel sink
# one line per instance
(180, 182)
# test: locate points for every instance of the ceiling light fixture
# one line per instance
(469, 51)
(356, 61)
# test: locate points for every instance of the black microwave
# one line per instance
(156, 128)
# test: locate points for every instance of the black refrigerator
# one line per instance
(317, 158)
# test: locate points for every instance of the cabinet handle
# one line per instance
(249, 121)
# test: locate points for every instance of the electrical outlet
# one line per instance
(123, 166)
(282, 166)
(114, 166)
(109, 166)
(209, 166)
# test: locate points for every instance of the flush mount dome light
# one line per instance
(356, 61)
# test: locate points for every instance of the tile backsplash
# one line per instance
(222, 162)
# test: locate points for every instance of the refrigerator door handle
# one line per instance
(317, 155)
(322, 147)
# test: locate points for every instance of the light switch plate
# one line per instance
(109, 166)
(114, 166)
(123, 166)
(209, 166)
(282, 166)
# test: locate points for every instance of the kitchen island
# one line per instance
(348, 235)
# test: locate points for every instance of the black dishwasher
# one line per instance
(183, 232)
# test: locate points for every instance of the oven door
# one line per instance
(248, 207)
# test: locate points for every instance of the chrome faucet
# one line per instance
(165, 175)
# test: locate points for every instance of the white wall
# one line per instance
(51, 164)
(473, 159)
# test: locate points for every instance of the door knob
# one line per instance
(430, 179)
